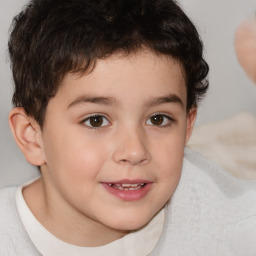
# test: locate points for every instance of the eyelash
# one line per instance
(89, 119)
(166, 118)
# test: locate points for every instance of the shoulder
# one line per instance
(14, 239)
(7, 202)
(8, 219)
(216, 194)
(211, 212)
(213, 186)
(226, 205)
(8, 210)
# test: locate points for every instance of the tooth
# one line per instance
(126, 185)
(130, 185)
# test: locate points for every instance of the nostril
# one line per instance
(134, 160)
(131, 149)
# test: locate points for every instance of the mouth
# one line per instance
(128, 190)
(127, 186)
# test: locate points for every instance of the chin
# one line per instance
(131, 223)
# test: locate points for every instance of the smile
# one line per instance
(127, 190)
(127, 186)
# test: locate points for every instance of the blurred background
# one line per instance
(231, 92)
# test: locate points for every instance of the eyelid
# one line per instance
(87, 118)
(170, 119)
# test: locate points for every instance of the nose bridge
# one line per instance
(131, 146)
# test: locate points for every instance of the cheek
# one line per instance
(169, 166)
(170, 171)
(86, 160)
(73, 155)
(169, 150)
(168, 157)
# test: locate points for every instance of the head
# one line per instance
(52, 38)
(106, 95)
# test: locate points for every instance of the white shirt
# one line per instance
(142, 241)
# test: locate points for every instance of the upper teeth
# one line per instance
(131, 185)
(127, 186)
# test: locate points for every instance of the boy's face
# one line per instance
(113, 141)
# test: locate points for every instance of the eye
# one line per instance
(96, 121)
(159, 120)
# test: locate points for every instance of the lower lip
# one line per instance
(128, 195)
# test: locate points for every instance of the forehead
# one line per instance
(142, 74)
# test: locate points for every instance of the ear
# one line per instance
(191, 118)
(28, 136)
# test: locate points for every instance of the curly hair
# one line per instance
(49, 38)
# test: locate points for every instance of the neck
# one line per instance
(64, 222)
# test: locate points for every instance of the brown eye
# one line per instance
(157, 119)
(96, 121)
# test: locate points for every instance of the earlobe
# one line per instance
(191, 118)
(28, 136)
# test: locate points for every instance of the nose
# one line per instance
(131, 148)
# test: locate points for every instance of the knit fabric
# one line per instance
(211, 213)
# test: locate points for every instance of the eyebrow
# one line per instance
(93, 99)
(110, 101)
(171, 98)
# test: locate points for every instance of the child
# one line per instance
(105, 100)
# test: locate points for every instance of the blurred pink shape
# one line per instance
(245, 47)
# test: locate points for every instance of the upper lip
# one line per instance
(128, 181)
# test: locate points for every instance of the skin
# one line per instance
(245, 46)
(76, 159)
